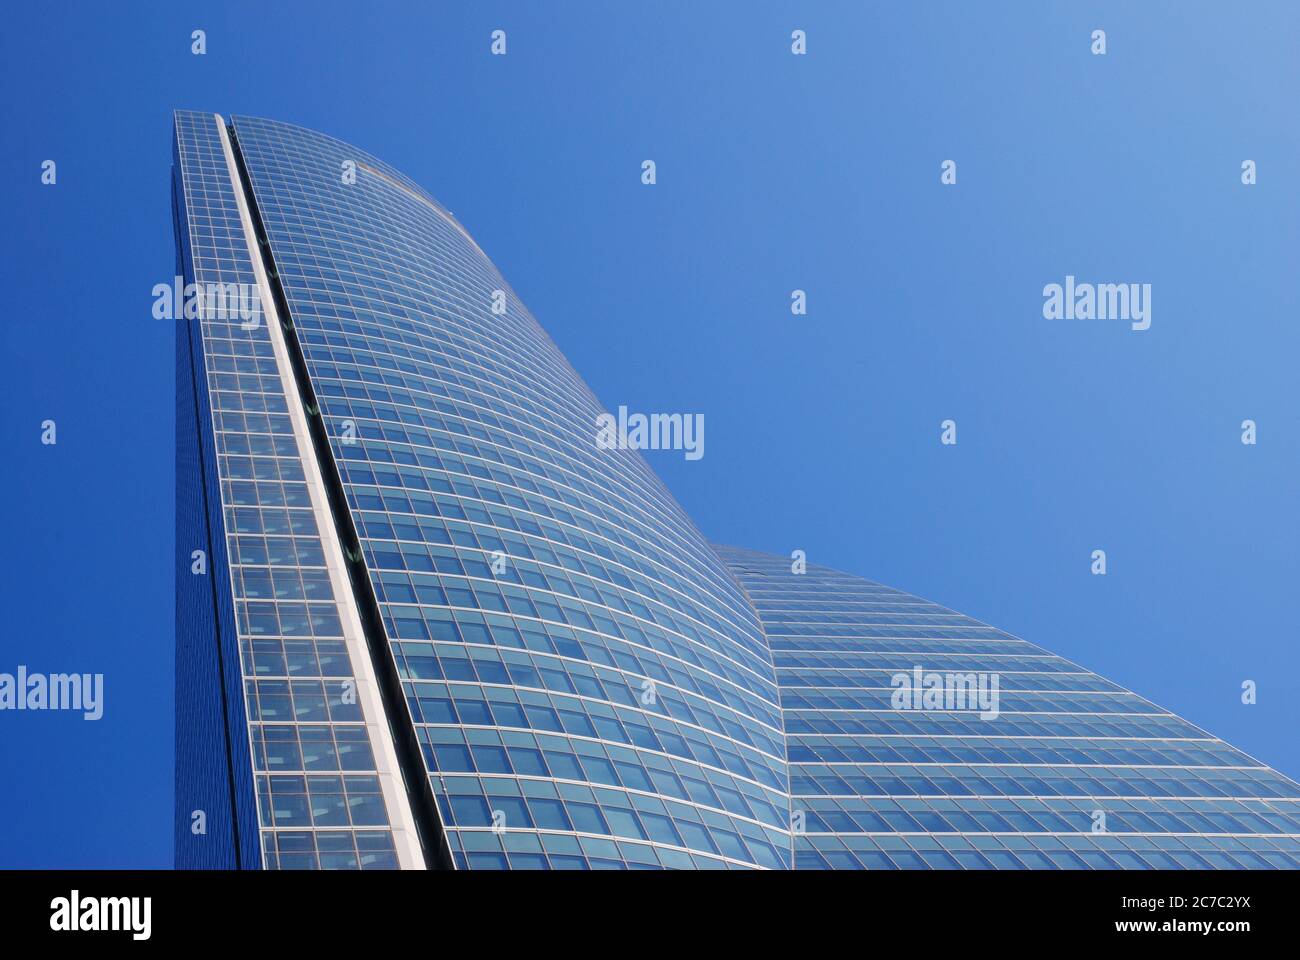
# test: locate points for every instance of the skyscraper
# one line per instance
(424, 620)
(1068, 770)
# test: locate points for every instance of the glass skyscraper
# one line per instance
(424, 621)
(1072, 772)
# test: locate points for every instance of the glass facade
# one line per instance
(279, 639)
(1073, 771)
(588, 685)
(398, 475)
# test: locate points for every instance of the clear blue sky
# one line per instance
(775, 172)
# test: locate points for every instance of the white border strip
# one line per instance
(406, 839)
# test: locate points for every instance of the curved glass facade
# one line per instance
(1073, 771)
(443, 626)
(588, 684)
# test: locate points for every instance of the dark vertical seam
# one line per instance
(410, 760)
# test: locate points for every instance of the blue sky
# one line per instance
(775, 172)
